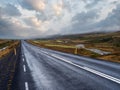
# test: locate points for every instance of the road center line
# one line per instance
(87, 69)
(24, 68)
(26, 86)
(23, 60)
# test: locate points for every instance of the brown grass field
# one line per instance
(109, 42)
(9, 45)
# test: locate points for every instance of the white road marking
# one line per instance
(91, 70)
(88, 69)
(23, 60)
(24, 68)
(26, 86)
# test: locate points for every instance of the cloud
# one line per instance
(82, 22)
(38, 5)
(112, 22)
(33, 22)
(42, 16)
(88, 22)
(91, 3)
(38, 18)
(86, 17)
(8, 27)
(10, 10)
(13, 28)
(58, 8)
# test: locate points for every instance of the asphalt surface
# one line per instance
(8, 68)
(44, 69)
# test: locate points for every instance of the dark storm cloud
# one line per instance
(4, 23)
(6, 27)
(11, 30)
(85, 17)
(9, 10)
(26, 5)
(35, 18)
(37, 5)
(82, 22)
(113, 18)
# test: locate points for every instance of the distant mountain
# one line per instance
(75, 36)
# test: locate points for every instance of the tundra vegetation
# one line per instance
(6, 46)
(81, 43)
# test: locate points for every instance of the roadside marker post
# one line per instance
(15, 51)
(76, 50)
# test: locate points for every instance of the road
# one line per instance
(8, 68)
(44, 69)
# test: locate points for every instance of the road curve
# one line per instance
(44, 69)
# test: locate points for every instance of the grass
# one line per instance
(109, 42)
(4, 44)
(60, 46)
(10, 46)
(64, 48)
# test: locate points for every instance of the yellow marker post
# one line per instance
(76, 50)
(15, 51)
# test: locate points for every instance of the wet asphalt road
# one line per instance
(8, 68)
(43, 69)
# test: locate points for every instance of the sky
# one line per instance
(23, 19)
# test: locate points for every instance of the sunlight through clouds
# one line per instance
(58, 8)
(41, 18)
